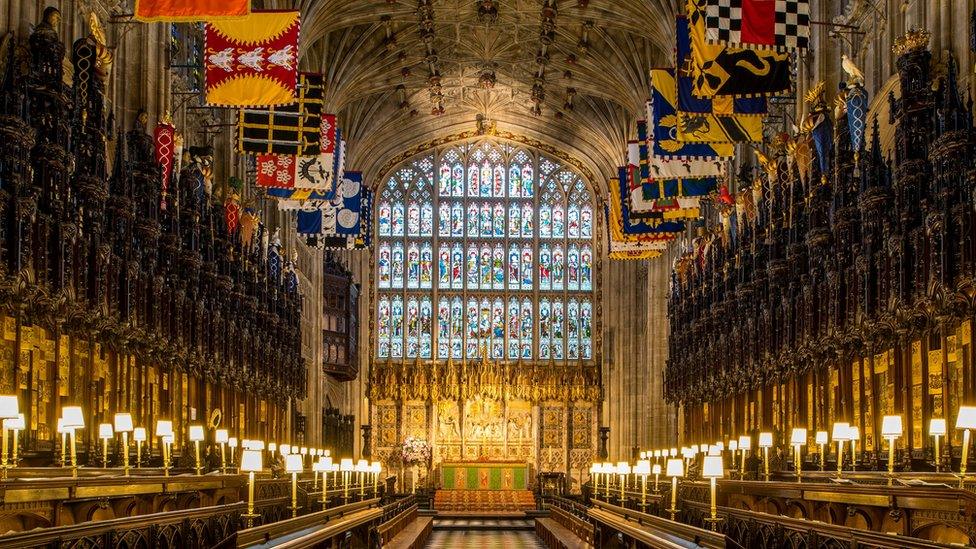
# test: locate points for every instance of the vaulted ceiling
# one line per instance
(572, 74)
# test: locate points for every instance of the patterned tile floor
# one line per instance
(483, 539)
(483, 524)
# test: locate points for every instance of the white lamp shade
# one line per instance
(232, 442)
(623, 468)
(733, 445)
(937, 427)
(842, 431)
(720, 445)
(376, 467)
(891, 426)
(676, 468)
(745, 442)
(712, 467)
(74, 418)
(164, 427)
(656, 469)
(346, 465)
(105, 430)
(594, 468)
(196, 433)
(714, 450)
(285, 449)
(821, 437)
(765, 440)
(966, 418)
(253, 445)
(168, 439)
(139, 434)
(326, 453)
(273, 447)
(15, 422)
(703, 448)
(220, 435)
(293, 463)
(643, 467)
(674, 452)
(316, 465)
(799, 436)
(61, 428)
(362, 465)
(643, 455)
(251, 461)
(303, 451)
(855, 433)
(123, 423)
(328, 463)
(9, 408)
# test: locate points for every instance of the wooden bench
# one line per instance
(581, 528)
(413, 535)
(557, 536)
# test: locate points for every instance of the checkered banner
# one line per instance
(291, 129)
(779, 24)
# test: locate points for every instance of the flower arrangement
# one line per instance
(415, 451)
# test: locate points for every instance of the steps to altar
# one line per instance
(484, 502)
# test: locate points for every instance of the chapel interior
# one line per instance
(487, 273)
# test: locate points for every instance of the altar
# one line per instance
(484, 475)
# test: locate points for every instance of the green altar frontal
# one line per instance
(484, 476)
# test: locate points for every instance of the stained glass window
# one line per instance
(484, 248)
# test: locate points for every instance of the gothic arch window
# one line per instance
(484, 247)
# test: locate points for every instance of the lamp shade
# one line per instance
(966, 418)
(220, 435)
(643, 455)
(196, 433)
(123, 422)
(105, 430)
(937, 427)
(594, 468)
(362, 465)
(293, 463)
(346, 465)
(318, 465)
(720, 445)
(15, 422)
(733, 445)
(326, 453)
(714, 450)
(891, 426)
(303, 451)
(61, 427)
(273, 447)
(74, 418)
(139, 434)
(232, 442)
(821, 437)
(251, 461)
(285, 449)
(676, 468)
(842, 431)
(703, 448)
(168, 439)
(674, 452)
(855, 433)
(376, 467)
(799, 436)
(623, 468)
(745, 442)
(643, 467)
(656, 469)
(8, 406)
(765, 440)
(164, 427)
(712, 467)
(328, 463)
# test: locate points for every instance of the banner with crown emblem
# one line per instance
(252, 61)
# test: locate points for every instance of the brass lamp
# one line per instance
(232, 444)
(196, 436)
(123, 426)
(327, 467)
(362, 468)
(798, 439)
(376, 468)
(105, 433)
(9, 409)
(272, 448)
(937, 428)
(251, 463)
(15, 424)
(841, 432)
(164, 428)
(745, 444)
(821, 440)
(675, 470)
(643, 468)
(607, 476)
(318, 466)
(623, 469)
(221, 438)
(346, 467)
(855, 436)
(966, 420)
(73, 419)
(734, 448)
(64, 442)
(285, 449)
(656, 469)
(712, 470)
(594, 476)
(294, 465)
(891, 429)
(139, 435)
(766, 442)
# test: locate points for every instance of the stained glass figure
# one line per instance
(457, 327)
(528, 183)
(396, 328)
(473, 180)
(484, 261)
(413, 328)
(413, 219)
(425, 328)
(471, 345)
(545, 222)
(472, 220)
(457, 181)
(472, 267)
(443, 328)
(586, 317)
(396, 228)
(498, 267)
(457, 220)
(413, 266)
(586, 268)
(514, 272)
(526, 329)
(527, 216)
(383, 267)
(586, 222)
(444, 181)
(572, 328)
(426, 220)
(384, 219)
(558, 267)
(444, 219)
(486, 183)
(545, 268)
(572, 268)
(426, 266)
(484, 321)
(499, 182)
(499, 221)
(486, 230)
(545, 328)
(457, 267)
(514, 328)
(514, 181)
(383, 330)
(526, 267)
(574, 221)
(397, 265)
(558, 222)
(514, 221)
(557, 330)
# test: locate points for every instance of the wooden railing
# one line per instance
(396, 517)
(660, 528)
(202, 528)
(267, 532)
